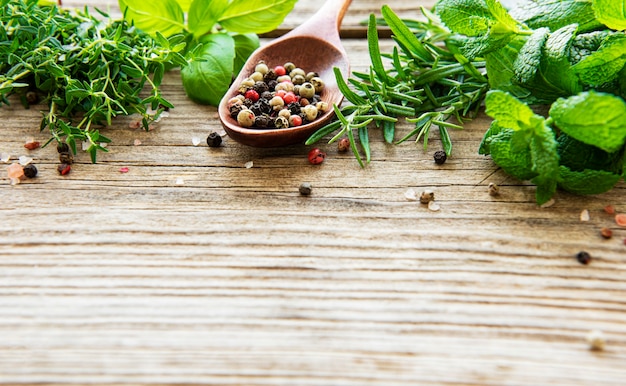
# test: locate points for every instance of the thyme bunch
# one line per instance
(426, 80)
(86, 69)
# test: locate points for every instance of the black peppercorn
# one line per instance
(235, 109)
(260, 87)
(305, 189)
(440, 157)
(272, 84)
(583, 257)
(262, 121)
(66, 158)
(294, 108)
(266, 95)
(62, 147)
(214, 140)
(32, 97)
(30, 171)
(262, 106)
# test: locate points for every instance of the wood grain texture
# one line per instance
(233, 278)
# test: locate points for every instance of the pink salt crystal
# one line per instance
(124, 170)
(15, 170)
(137, 142)
(135, 124)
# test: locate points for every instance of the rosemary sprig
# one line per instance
(427, 81)
(87, 70)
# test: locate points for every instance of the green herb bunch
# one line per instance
(568, 54)
(426, 80)
(86, 69)
(220, 36)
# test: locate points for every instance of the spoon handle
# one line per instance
(326, 22)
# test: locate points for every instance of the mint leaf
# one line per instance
(527, 63)
(531, 137)
(592, 117)
(505, 23)
(471, 18)
(253, 16)
(164, 16)
(203, 14)
(498, 144)
(555, 14)
(604, 65)
(611, 12)
(587, 181)
(578, 156)
(208, 74)
(545, 161)
(510, 113)
(499, 65)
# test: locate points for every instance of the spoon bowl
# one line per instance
(313, 46)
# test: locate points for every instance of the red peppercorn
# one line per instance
(252, 95)
(295, 120)
(607, 233)
(290, 98)
(316, 156)
(32, 145)
(64, 169)
(343, 145)
(280, 70)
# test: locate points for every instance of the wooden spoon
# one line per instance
(313, 46)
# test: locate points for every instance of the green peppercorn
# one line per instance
(261, 67)
(30, 171)
(298, 79)
(245, 118)
(318, 83)
(289, 67)
(307, 90)
(311, 75)
(310, 112)
(281, 122)
(214, 140)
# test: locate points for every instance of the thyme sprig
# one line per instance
(86, 69)
(425, 81)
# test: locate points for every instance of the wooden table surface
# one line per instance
(192, 268)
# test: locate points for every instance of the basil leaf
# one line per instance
(209, 73)
(253, 16)
(164, 16)
(611, 13)
(184, 4)
(203, 14)
(245, 44)
(592, 117)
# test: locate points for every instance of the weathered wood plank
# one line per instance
(234, 278)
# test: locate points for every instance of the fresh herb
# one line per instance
(569, 54)
(220, 35)
(86, 69)
(426, 81)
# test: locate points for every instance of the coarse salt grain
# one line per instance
(548, 204)
(596, 340)
(180, 181)
(15, 171)
(24, 160)
(410, 195)
(433, 206)
(195, 141)
(85, 145)
(137, 142)
(584, 215)
(249, 164)
(5, 157)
